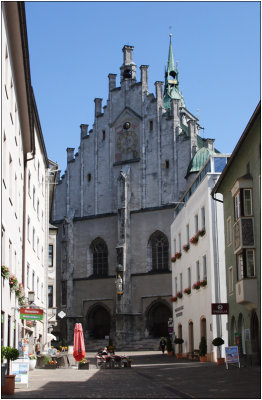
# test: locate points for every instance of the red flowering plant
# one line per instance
(5, 272)
(194, 239)
(196, 285)
(13, 282)
(179, 295)
(187, 290)
(178, 254)
(173, 259)
(203, 282)
(173, 299)
(186, 247)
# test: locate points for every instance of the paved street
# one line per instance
(152, 376)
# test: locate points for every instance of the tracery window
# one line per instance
(159, 246)
(100, 257)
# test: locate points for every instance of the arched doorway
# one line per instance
(241, 329)
(254, 333)
(98, 322)
(191, 337)
(157, 319)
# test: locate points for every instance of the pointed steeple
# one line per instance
(171, 80)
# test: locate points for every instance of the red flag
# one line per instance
(79, 345)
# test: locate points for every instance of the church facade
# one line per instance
(115, 203)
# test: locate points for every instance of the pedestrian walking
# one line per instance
(162, 344)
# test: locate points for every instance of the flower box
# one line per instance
(173, 299)
(83, 365)
(194, 239)
(178, 255)
(5, 272)
(201, 232)
(186, 247)
(173, 259)
(50, 366)
(179, 295)
(187, 291)
(196, 285)
(203, 282)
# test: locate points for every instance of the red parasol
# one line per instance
(79, 345)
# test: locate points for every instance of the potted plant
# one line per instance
(173, 299)
(173, 259)
(83, 364)
(32, 361)
(201, 232)
(179, 341)
(169, 346)
(196, 285)
(178, 255)
(218, 341)
(10, 354)
(203, 282)
(179, 295)
(203, 349)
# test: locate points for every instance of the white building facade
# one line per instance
(24, 190)
(198, 262)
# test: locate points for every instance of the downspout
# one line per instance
(24, 226)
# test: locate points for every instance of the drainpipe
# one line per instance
(24, 225)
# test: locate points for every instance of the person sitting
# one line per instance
(105, 352)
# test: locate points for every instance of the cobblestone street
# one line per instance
(152, 375)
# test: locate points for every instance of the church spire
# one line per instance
(171, 80)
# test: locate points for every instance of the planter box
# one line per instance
(83, 366)
(9, 387)
(203, 358)
(220, 361)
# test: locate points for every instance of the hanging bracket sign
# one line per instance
(219, 308)
(32, 314)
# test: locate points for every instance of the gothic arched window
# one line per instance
(159, 247)
(100, 257)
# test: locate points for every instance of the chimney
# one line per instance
(128, 55)
(112, 81)
(98, 106)
(70, 154)
(84, 129)
(159, 90)
(144, 77)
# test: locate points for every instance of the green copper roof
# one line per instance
(171, 81)
(199, 159)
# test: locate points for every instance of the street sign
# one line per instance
(61, 314)
(32, 314)
(219, 308)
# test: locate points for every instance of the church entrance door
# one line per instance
(157, 319)
(99, 322)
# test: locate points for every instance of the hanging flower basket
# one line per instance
(186, 247)
(173, 299)
(13, 282)
(5, 272)
(196, 285)
(194, 239)
(19, 291)
(187, 291)
(179, 295)
(203, 282)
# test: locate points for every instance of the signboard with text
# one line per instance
(20, 368)
(232, 355)
(219, 308)
(33, 314)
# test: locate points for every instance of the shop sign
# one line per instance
(33, 314)
(219, 308)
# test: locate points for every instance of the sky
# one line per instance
(73, 46)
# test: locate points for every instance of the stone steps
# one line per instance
(140, 345)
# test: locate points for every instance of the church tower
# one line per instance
(114, 206)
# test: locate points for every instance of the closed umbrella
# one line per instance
(79, 345)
